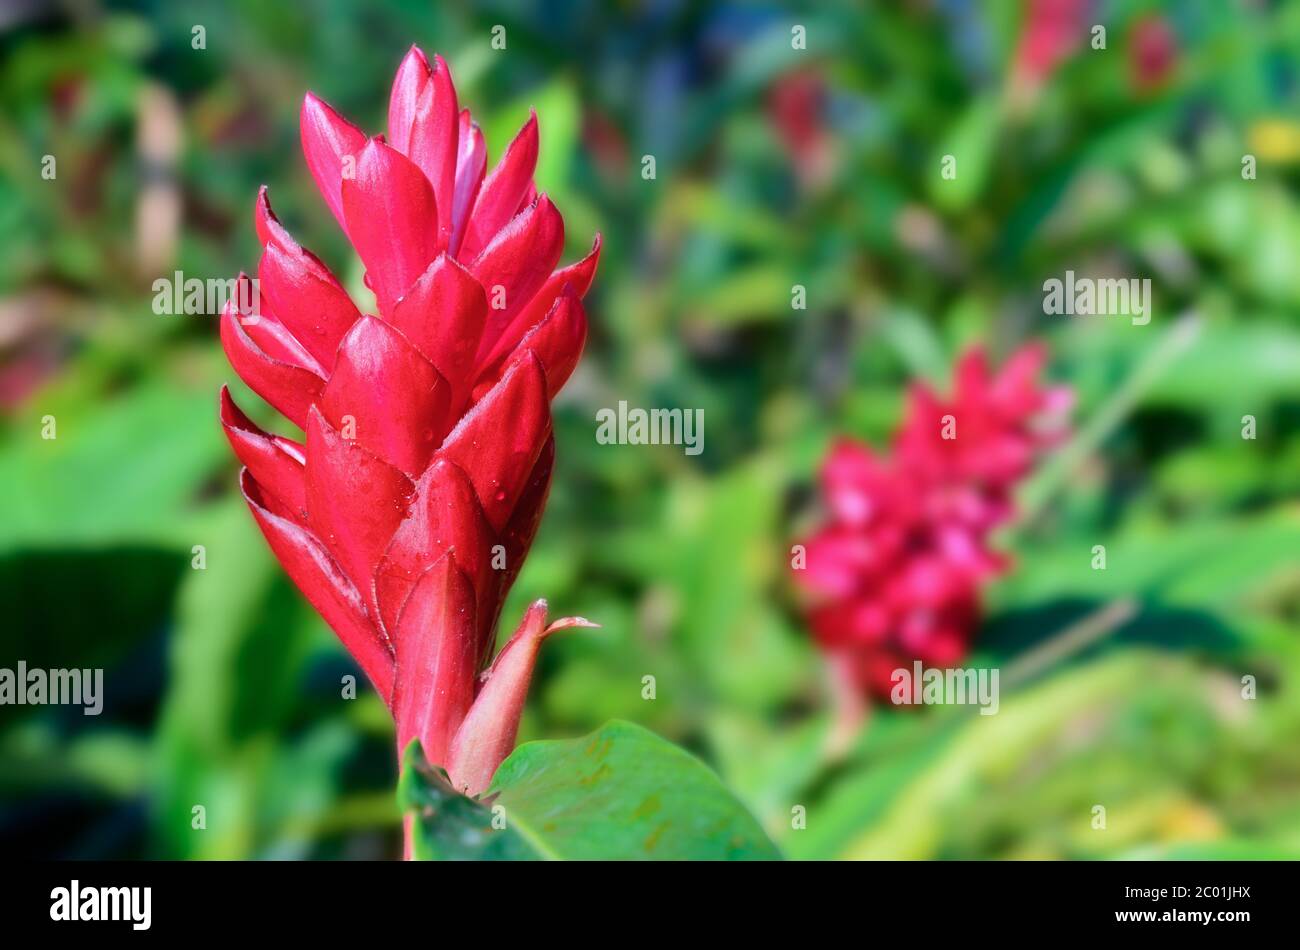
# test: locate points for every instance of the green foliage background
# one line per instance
(223, 687)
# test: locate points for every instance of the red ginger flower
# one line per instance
(894, 575)
(406, 514)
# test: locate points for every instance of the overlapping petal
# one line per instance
(574, 279)
(403, 432)
(355, 500)
(434, 141)
(471, 165)
(276, 463)
(392, 220)
(292, 389)
(436, 657)
(515, 266)
(329, 590)
(332, 146)
(504, 190)
(500, 439)
(308, 300)
(444, 515)
(443, 315)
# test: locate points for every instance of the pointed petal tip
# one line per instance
(566, 623)
(264, 220)
(487, 734)
(230, 413)
(535, 616)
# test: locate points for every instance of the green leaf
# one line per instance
(624, 793)
(621, 793)
(447, 826)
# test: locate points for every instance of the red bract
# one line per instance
(894, 575)
(406, 512)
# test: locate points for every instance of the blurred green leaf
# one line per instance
(238, 655)
(895, 809)
(971, 143)
(125, 469)
(1212, 564)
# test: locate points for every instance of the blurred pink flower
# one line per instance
(796, 106)
(894, 574)
(1053, 30)
(1153, 48)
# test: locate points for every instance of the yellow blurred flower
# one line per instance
(1275, 140)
